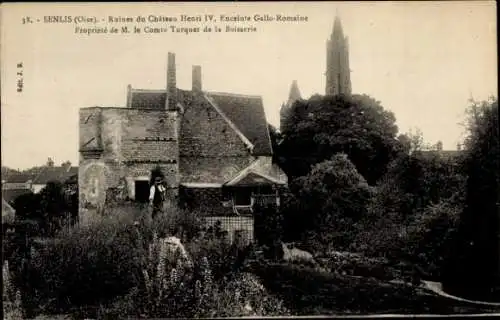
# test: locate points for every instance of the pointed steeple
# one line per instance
(338, 32)
(338, 79)
(294, 94)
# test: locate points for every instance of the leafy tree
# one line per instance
(27, 206)
(54, 206)
(413, 141)
(268, 228)
(49, 208)
(414, 181)
(333, 197)
(473, 270)
(276, 138)
(320, 127)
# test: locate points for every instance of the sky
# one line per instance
(421, 60)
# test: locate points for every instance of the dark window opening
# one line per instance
(265, 190)
(142, 191)
(242, 197)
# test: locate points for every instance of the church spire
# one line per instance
(337, 32)
(294, 94)
(338, 78)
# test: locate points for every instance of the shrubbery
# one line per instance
(52, 209)
(406, 218)
(328, 203)
(98, 270)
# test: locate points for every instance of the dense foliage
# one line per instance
(474, 268)
(371, 208)
(98, 270)
(320, 127)
(52, 208)
(327, 203)
(412, 212)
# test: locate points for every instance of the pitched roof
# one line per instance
(17, 177)
(443, 154)
(147, 99)
(247, 113)
(244, 112)
(262, 168)
(60, 174)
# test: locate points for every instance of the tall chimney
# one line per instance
(196, 87)
(171, 83)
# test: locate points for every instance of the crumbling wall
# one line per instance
(133, 142)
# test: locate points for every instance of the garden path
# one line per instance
(437, 288)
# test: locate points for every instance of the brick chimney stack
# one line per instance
(197, 87)
(171, 102)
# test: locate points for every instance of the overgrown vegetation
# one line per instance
(473, 269)
(52, 209)
(114, 267)
(370, 208)
(415, 198)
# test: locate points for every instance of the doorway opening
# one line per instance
(141, 191)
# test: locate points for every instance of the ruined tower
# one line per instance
(338, 77)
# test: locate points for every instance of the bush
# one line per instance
(52, 208)
(433, 234)
(473, 270)
(328, 202)
(97, 269)
(359, 265)
(86, 266)
(422, 240)
(11, 297)
(198, 291)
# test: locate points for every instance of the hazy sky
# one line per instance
(422, 60)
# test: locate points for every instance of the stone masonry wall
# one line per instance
(89, 128)
(134, 141)
(210, 150)
(213, 169)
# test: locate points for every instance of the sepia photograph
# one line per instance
(250, 159)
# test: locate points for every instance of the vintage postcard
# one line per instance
(222, 159)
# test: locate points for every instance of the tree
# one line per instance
(333, 197)
(473, 270)
(49, 208)
(320, 127)
(413, 141)
(27, 206)
(414, 181)
(54, 206)
(276, 138)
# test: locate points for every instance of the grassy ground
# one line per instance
(308, 292)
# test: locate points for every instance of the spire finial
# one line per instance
(337, 24)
